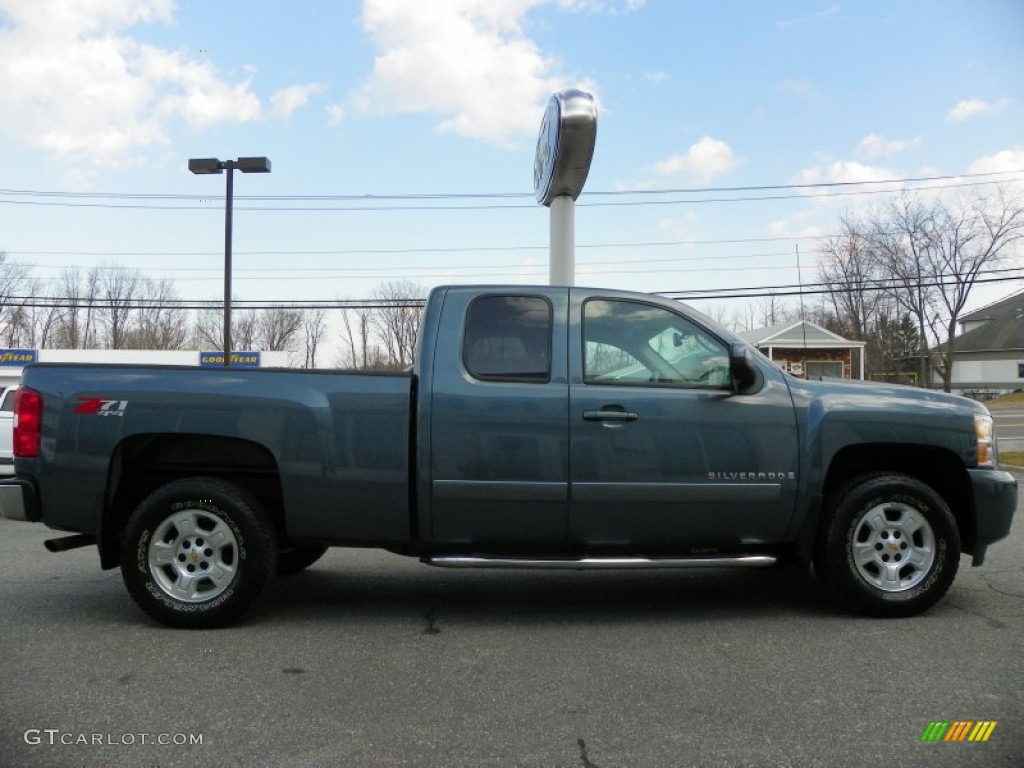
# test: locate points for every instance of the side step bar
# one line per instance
(597, 563)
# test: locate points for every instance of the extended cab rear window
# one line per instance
(508, 338)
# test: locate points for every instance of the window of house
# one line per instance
(508, 338)
(817, 369)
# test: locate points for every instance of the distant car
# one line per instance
(7, 430)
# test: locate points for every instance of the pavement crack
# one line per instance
(584, 758)
(991, 585)
(431, 628)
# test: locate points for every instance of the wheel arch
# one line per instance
(940, 469)
(142, 463)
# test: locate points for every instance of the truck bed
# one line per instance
(336, 444)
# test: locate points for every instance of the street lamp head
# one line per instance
(204, 165)
(253, 165)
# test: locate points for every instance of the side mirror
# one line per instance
(745, 374)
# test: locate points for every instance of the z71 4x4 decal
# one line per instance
(99, 406)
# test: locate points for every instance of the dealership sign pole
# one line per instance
(565, 148)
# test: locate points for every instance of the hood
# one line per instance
(839, 392)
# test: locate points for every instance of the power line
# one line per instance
(887, 284)
(427, 270)
(504, 195)
(811, 289)
(405, 251)
(528, 206)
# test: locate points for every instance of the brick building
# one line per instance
(809, 351)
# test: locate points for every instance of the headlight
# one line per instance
(986, 442)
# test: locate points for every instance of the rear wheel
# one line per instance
(198, 553)
(891, 546)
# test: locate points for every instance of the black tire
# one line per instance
(298, 557)
(198, 553)
(890, 546)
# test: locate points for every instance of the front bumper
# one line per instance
(18, 500)
(995, 501)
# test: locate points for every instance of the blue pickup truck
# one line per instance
(541, 427)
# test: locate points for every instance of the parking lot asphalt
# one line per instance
(369, 659)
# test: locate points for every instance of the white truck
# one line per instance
(7, 430)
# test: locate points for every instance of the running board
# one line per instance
(598, 563)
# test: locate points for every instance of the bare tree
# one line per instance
(14, 278)
(314, 326)
(118, 294)
(276, 328)
(720, 313)
(764, 312)
(397, 320)
(78, 294)
(357, 332)
(851, 274)
(900, 234)
(44, 316)
(158, 324)
(209, 329)
(244, 329)
(931, 255)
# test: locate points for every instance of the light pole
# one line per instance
(210, 165)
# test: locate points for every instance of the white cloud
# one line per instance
(287, 100)
(873, 145)
(76, 84)
(968, 108)
(466, 60)
(850, 172)
(193, 90)
(800, 87)
(335, 115)
(656, 77)
(706, 159)
(826, 13)
(1009, 160)
(846, 172)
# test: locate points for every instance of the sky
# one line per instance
(402, 135)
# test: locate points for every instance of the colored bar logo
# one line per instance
(958, 730)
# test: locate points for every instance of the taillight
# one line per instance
(28, 423)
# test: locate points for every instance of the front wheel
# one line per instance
(891, 546)
(198, 553)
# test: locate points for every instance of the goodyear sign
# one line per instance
(18, 357)
(238, 360)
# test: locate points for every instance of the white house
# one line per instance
(989, 357)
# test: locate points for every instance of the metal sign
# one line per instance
(565, 146)
(238, 360)
(18, 357)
